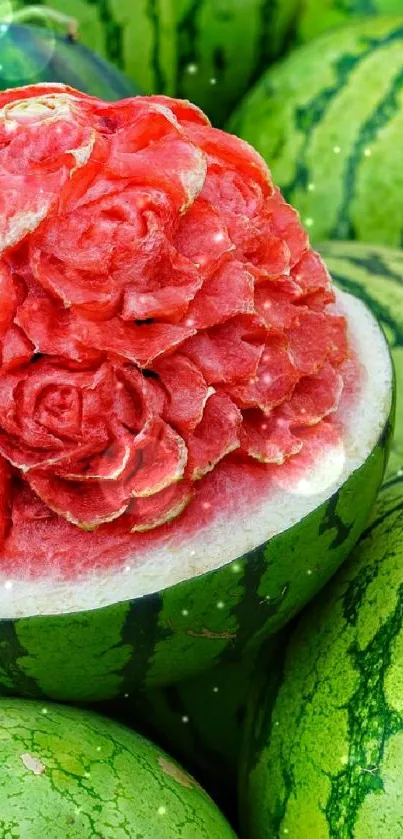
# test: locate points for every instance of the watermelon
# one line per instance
(323, 742)
(193, 423)
(31, 54)
(328, 120)
(375, 274)
(317, 16)
(190, 48)
(72, 773)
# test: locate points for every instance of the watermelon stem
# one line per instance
(47, 14)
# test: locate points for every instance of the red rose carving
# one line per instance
(155, 293)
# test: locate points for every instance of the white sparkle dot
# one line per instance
(367, 152)
(192, 553)
(161, 811)
(336, 149)
(126, 696)
(1, 66)
(190, 322)
(185, 612)
(215, 690)
(185, 719)
(98, 748)
(191, 69)
(311, 187)
(236, 568)
(128, 568)
(206, 505)
(213, 81)
(87, 775)
(8, 584)
(264, 426)
(267, 378)
(44, 710)
(344, 760)
(286, 830)
(220, 604)
(268, 597)
(218, 237)
(276, 723)
(3, 28)
(309, 221)
(267, 304)
(309, 572)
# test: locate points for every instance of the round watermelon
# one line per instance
(193, 423)
(317, 16)
(190, 48)
(70, 773)
(323, 750)
(375, 274)
(328, 120)
(31, 54)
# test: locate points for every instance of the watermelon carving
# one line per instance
(174, 362)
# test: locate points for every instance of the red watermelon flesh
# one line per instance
(168, 339)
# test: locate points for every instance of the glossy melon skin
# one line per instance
(70, 774)
(323, 749)
(32, 54)
(328, 121)
(182, 630)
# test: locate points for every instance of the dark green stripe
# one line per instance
(160, 82)
(188, 37)
(113, 32)
(370, 724)
(140, 633)
(13, 681)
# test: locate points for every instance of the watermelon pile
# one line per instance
(197, 412)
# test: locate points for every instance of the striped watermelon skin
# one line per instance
(329, 121)
(31, 54)
(187, 628)
(317, 16)
(206, 50)
(323, 748)
(375, 274)
(72, 774)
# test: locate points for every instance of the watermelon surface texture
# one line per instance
(70, 773)
(31, 54)
(193, 424)
(375, 274)
(328, 120)
(317, 16)
(324, 752)
(208, 51)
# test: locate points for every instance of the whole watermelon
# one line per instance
(316, 16)
(208, 51)
(70, 774)
(329, 121)
(323, 751)
(31, 54)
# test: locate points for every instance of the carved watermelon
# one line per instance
(193, 426)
